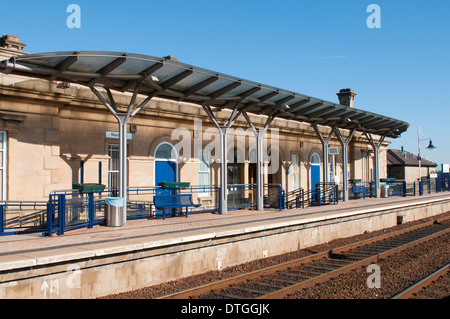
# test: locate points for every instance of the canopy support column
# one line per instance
(223, 130)
(376, 149)
(325, 146)
(344, 144)
(260, 156)
(123, 119)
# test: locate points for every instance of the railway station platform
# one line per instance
(90, 263)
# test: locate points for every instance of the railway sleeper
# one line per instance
(374, 250)
(334, 266)
(250, 290)
(362, 251)
(276, 287)
(324, 267)
(317, 268)
(228, 296)
(307, 272)
(289, 282)
(291, 273)
(338, 262)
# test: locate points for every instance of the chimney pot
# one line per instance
(346, 97)
(171, 57)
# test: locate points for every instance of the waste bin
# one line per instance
(384, 191)
(114, 211)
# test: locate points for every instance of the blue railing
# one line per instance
(66, 210)
(69, 209)
(318, 196)
(23, 217)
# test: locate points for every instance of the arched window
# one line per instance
(315, 159)
(165, 151)
(314, 171)
(232, 156)
(253, 158)
(166, 163)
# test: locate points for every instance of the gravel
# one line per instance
(408, 266)
(397, 273)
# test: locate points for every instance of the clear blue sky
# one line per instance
(401, 70)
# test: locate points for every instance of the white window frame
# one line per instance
(4, 167)
(112, 171)
(173, 159)
(295, 171)
(201, 155)
(364, 165)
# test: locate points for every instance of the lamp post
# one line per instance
(430, 147)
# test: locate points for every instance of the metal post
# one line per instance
(260, 156)
(325, 146)
(123, 167)
(260, 173)
(99, 172)
(50, 211)
(223, 171)
(122, 120)
(376, 149)
(418, 153)
(223, 130)
(81, 172)
(91, 210)
(61, 213)
(344, 144)
(2, 219)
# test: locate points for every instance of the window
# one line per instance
(370, 159)
(113, 166)
(253, 158)
(3, 165)
(295, 171)
(364, 167)
(166, 151)
(315, 159)
(204, 171)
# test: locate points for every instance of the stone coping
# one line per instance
(100, 242)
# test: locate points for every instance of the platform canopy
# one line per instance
(167, 78)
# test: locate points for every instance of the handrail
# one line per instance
(318, 195)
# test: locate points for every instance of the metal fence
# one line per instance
(322, 194)
(70, 209)
(23, 217)
(66, 210)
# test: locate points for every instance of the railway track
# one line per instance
(278, 281)
(435, 285)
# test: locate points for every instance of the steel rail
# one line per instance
(348, 266)
(364, 262)
(425, 282)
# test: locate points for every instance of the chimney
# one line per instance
(10, 45)
(346, 97)
(170, 57)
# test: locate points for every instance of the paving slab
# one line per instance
(29, 250)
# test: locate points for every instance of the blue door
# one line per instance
(315, 178)
(165, 171)
(315, 175)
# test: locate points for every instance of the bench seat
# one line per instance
(358, 190)
(164, 202)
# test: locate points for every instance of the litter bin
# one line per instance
(384, 191)
(114, 211)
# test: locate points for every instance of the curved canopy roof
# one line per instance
(174, 80)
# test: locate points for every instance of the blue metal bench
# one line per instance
(358, 190)
(172, 202)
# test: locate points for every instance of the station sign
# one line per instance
(445, 168)
(333, 151)
(115, 135)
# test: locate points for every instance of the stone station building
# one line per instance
(48, 128)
